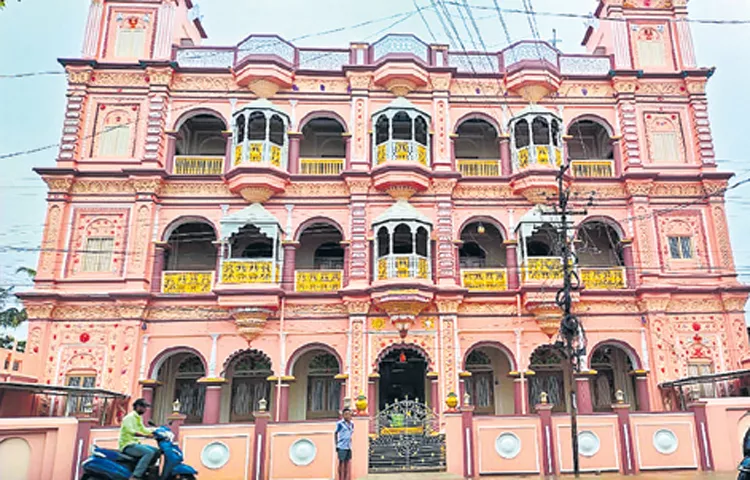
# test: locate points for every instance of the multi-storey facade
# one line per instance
(305, 226)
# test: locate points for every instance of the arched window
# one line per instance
(613, 372)
(402, 240)
(402, 126)
(322, 138)
(240, 129)
(381, 130)
(650, 47)
(598, 245)
(482, 246)
(179, 376)
(201, 135)
(422, 239)
(256, 127)
(191, 248)
(384, 243)
(323, 390)
(420, 130)
(664, 137)
(590, 141)
(276, 130)
(477, 139)
(540, 131)
(521, 133)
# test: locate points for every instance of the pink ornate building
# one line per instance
(304, 226)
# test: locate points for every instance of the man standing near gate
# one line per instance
(343, 436)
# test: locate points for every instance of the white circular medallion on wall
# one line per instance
(665, 441)
(588, 443)
(302, 452)
(215, 455)
(508, 445)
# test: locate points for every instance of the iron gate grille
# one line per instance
(406, 437)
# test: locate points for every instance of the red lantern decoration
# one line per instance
(402, 357)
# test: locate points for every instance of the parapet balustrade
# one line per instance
(403, 266)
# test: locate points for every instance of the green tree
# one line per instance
(10, 315)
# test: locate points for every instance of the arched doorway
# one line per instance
(315, 393)
(248, 383)
(550, 376)
(489, 387)
(613, 372)
(179, 376)
(403, 372)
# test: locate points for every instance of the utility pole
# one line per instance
(571, 331)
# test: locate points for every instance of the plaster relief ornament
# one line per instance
(250, 321)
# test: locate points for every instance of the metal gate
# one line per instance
(406, 437)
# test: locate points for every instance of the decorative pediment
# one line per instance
(255, 215)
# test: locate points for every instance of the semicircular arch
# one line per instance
(183, 220)
(491, 344)
(320, 114)
(232, 357)
(317, 219)
(177, 124)
(310, 347)
(477, 116)
(483, 219)
(403, 346)
(622, 345)
(165, 355)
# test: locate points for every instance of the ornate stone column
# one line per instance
(627, 259)
(75, 110)
(356, 351)
(159, 79)
(511, 263)
(627, 116)
(443, 153)
(160, 250)
(294, 140)
(359, 83)
(55, 229)
(643, 222)
(506, 168)
(228, 149)
(447, 343)
(140, 245)
(346, 245)
(434, 391)
(172, 138)
(696, 88)
(359, 263)
(288, 272)
(617, 154)
(348, 140)
(372, 394)
(445, 248)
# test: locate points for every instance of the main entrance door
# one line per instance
(402, 374)
(406, 434)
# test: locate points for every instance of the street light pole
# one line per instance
(570, 328)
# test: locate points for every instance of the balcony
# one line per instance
(592, 168)
(542, 269)
(479, 168)
(603, 278)
(484, 279)
(237, 271)
(403, 266)
(401, 151)
(198, 165)
(261, 151)
(318, 281)
(187, 283)
(321, 166)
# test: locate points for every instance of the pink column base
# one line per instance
(511, 262)
(518, 396)
(585, 404)
(627, 259)
(294, 139)
(548, 439)
(212, 405)
(505, 166)
(627, 454)
(287, 271)
(259, 446)
(701, 430)
(372, 401)
(641, 390)
(435, 395)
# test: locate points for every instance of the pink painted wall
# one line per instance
(489, 430)
(597, 428)
(51, 442)
(681, 454)
(727, 421)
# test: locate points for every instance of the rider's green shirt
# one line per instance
(131, 423)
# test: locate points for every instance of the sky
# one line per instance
(34, 33)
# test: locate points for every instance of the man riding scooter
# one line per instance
(130, 431)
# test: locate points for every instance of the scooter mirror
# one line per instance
(151, 423)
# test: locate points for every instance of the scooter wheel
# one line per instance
(188, 477)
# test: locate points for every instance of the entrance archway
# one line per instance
(403, 372)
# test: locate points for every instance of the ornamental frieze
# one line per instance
(594, 90)
(487, 308)
(78, 75)
(102, 186)
(677, 190)
(661, 88)
(97, 312)
(601, 191)
(315, 85)
(470, 88)
(305, 310)
(175, 312)
(203, 189)
(474, 191)
(57, 184)
(317, 189)
(118, 79)
(203, 83)
(606, 307)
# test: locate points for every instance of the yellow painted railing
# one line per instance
(602, 278)
(422, 154)
(403, 266)
(539, 269)
(402, 151)
(382, 153)
(318, 280)
(198, 165)
(484, 279)
(592, 168)
(523, 157)
(479, 168)
(321, 166)
(187, 282)
(244, 271)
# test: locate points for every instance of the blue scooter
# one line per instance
(105, 464)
